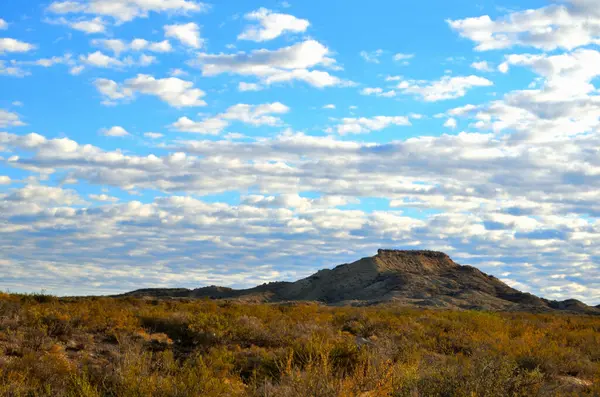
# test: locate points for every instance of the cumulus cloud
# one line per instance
(3, 24)
(125, 10)
(273, 66)
(500, 196)
(378, 91)
(451, 123)
(565, 74)
(566, 26)
(243, 87)
(372, 57)
(118, 46)
(188, 34)
(516, 194)
(447, 87)
(482, 66)
(261, 230)
(96, 25)
(9, 119)
(116, 131)
(172, 90)
(98, 59)
(103, 198)
(66, 59)
(302, 55)
(255, 115)
(271, 25)
(363, 125)
(14, 45)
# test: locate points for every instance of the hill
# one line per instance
(408, 277)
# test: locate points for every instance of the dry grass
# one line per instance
(133, 347)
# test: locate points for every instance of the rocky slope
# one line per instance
(419, 278)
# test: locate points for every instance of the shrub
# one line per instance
(133, 347)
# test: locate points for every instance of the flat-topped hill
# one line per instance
(410, 277)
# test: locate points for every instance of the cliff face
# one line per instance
(419, 278)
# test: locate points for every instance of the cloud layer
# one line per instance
(176, 148)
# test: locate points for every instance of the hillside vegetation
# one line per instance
(184, 347)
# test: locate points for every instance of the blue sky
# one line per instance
(179, 143)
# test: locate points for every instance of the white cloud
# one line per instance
(372, 57)
(16, 70)
(561, 103)
(96, 25)
(116, 131)
(566, 26)
(125, 10)
(445, 88)
(482, 66)
(56, 60)
(451, 123)
(112, 91)
(566, 74)
(255, 115)
(103, 198)
(316, 78)
(177, 72)
(13, 45)
(377, 91)
(242, 86)
(273, 66)
(394, 78)
(363, 125)
(3, 24)
(271, 25)
(9, 119)
(329, 106)
(119, 46)
(188, 34)
(172, 90)
(11, 69)
(403, 59)
(524, 212)
(524, 179)
(5, 180)
(100, 60)
(302, 55)
(463, 110)
(146, 60)
(503, 67)
(75, 70)
(208, 126)
(449, 173)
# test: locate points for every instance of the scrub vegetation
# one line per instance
(198, 347)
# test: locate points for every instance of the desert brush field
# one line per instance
(182, 347)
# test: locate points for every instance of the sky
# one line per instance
(179, 143)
